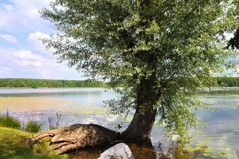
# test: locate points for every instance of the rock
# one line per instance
(120, 150)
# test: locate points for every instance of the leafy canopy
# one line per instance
(180, 42)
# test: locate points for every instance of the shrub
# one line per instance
(33, 126)
(8, 121)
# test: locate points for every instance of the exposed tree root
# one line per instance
(78, 136)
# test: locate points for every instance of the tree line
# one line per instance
(227, 81)
(47, 83)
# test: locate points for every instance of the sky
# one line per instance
(22, 54)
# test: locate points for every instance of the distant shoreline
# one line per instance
(49, 87)
(49, 83)
(219, 82)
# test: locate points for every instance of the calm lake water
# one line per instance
(85, 105)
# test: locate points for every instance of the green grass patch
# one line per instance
(33, 126)
(12, 146)
(8, 121)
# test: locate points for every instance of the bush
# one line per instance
(8, 121)
(33, 126)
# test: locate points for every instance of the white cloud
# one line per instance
(37, 46)
(8, 7)
(9, 38)
(27, 55)
(27, 64)
(38, 36)
(4, 73)
(29, 58)
(24, 14)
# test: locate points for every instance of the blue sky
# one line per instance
(22, 54)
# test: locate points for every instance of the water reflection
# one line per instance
(118, 151)
(132, 151)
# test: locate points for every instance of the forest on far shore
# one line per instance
(48, 83)
(227, 82)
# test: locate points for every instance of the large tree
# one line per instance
(160, 51)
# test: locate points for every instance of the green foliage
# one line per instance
(33, 126)
(172, 48)
(36, 83)
(8, 121)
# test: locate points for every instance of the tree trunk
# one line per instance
(140, 127)
(146, 94)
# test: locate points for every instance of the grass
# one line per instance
(8, 121)
(12, 146)
(33, 126)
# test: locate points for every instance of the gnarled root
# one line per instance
(78, 136)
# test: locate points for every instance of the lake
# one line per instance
(85, 105)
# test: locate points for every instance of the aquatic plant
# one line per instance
(33, 126)
(54, 122)
(202, 151)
